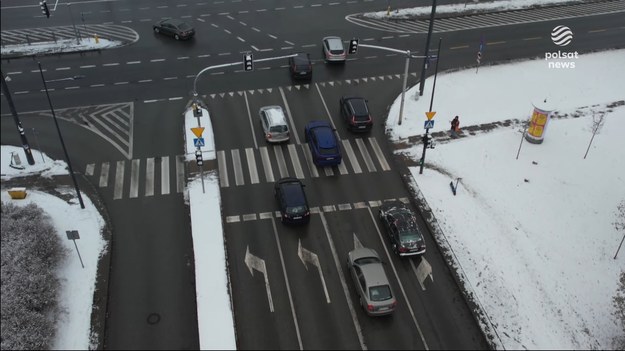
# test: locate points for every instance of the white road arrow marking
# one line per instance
(357, 243)
(312, 257)
(253, 262)
(422, 271)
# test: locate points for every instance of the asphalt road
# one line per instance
(127, 111)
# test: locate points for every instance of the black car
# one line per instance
(356, 114)
(300, 66)
(175, 28)
(401, 227)
(289, 193)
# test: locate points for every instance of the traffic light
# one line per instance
(44, 8)
(198, 157)
(353, 46)
(248, 62)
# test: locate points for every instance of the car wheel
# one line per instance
(176, 36)
(156, 30)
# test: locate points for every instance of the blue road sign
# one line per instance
(198, 142)
(429, 124)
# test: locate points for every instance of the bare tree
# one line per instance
(619, 312)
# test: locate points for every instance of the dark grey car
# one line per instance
(174, 28)
(374, 290)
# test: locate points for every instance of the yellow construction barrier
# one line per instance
(17, 193)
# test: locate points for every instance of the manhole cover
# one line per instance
(154, 318)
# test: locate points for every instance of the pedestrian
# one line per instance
(455, 127)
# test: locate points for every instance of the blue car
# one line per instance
(323, 143)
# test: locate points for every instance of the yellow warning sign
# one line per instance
(198, 131)
(430, 114)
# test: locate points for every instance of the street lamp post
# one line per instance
(425, 137)
(56, 123)
(18, 123)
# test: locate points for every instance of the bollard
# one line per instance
(388, 11)
(97, 39)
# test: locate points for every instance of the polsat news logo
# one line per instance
(561, 36)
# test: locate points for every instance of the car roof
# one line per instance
(358, 104)
(275, 115)
(292, 191)
(325, 135)
(302, 58)
(334, 43)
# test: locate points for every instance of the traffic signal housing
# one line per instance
(44, 8)
(248, 62)
(353, 46)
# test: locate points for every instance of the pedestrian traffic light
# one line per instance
(353, 46)
(44, 8)
(248, 62)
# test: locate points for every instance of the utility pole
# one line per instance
(430, 114)
(56, 123)
(18, 123)
(427, 48)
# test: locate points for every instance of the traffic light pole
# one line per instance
(426, 140)
(427, 47)
(18, 123)
(408, 57)
(247, 62)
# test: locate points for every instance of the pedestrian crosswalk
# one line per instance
(155, 172)
(239, 167)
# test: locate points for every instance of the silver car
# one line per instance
(273, 122)
(372, 286)
(333, 49)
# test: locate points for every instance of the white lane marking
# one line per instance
(62, 69)
(365, 155)
(89, 169)
(134, 178)
(325, 106)
(238, 170)
(379, 154)
(401, 286)
(284, 172)
(264, 156)
(309, 162)
(251, 165)
(232, 219)
(111, 64)
(165, 175)
(149, 176)
(249, 217)
(350, 303)
(249, 118)
(306, 255)
(299, 173)
(288, 285)
(133, 62)
(288, 113)
(104, 175)
(253, 262)
(119, 180)
(88, 66)
(351, 156)
(223, 169)
(157, 60)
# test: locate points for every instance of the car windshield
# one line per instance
(278, 129)
(380, 293)
(366, 260)
(296, 209)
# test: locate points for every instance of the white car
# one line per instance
(273, 122)
(333, 49)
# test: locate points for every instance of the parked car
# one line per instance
(174, 28)
(374, 291)
(300, 66)
(323, 143)
(401, 228)
(289, 193)
(273, 122)
(333, 49)
(355, 112)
